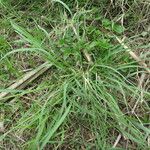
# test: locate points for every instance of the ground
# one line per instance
(95, 94)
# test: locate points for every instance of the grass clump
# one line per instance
(91, 95)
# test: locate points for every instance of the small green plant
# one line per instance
(110, 25)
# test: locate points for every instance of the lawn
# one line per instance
(74, 74)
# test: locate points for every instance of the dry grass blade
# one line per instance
(117, 140)
(134, 56)
(1, 120)
(87, 57)
(26, 79)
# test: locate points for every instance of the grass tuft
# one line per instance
(95, 96)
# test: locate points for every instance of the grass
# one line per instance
(79, 103)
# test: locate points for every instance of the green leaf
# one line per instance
(104, 44)
(118, 28)
(107, 23)
(112, 26)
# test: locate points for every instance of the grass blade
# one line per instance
(58, 123)
(59, 1)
